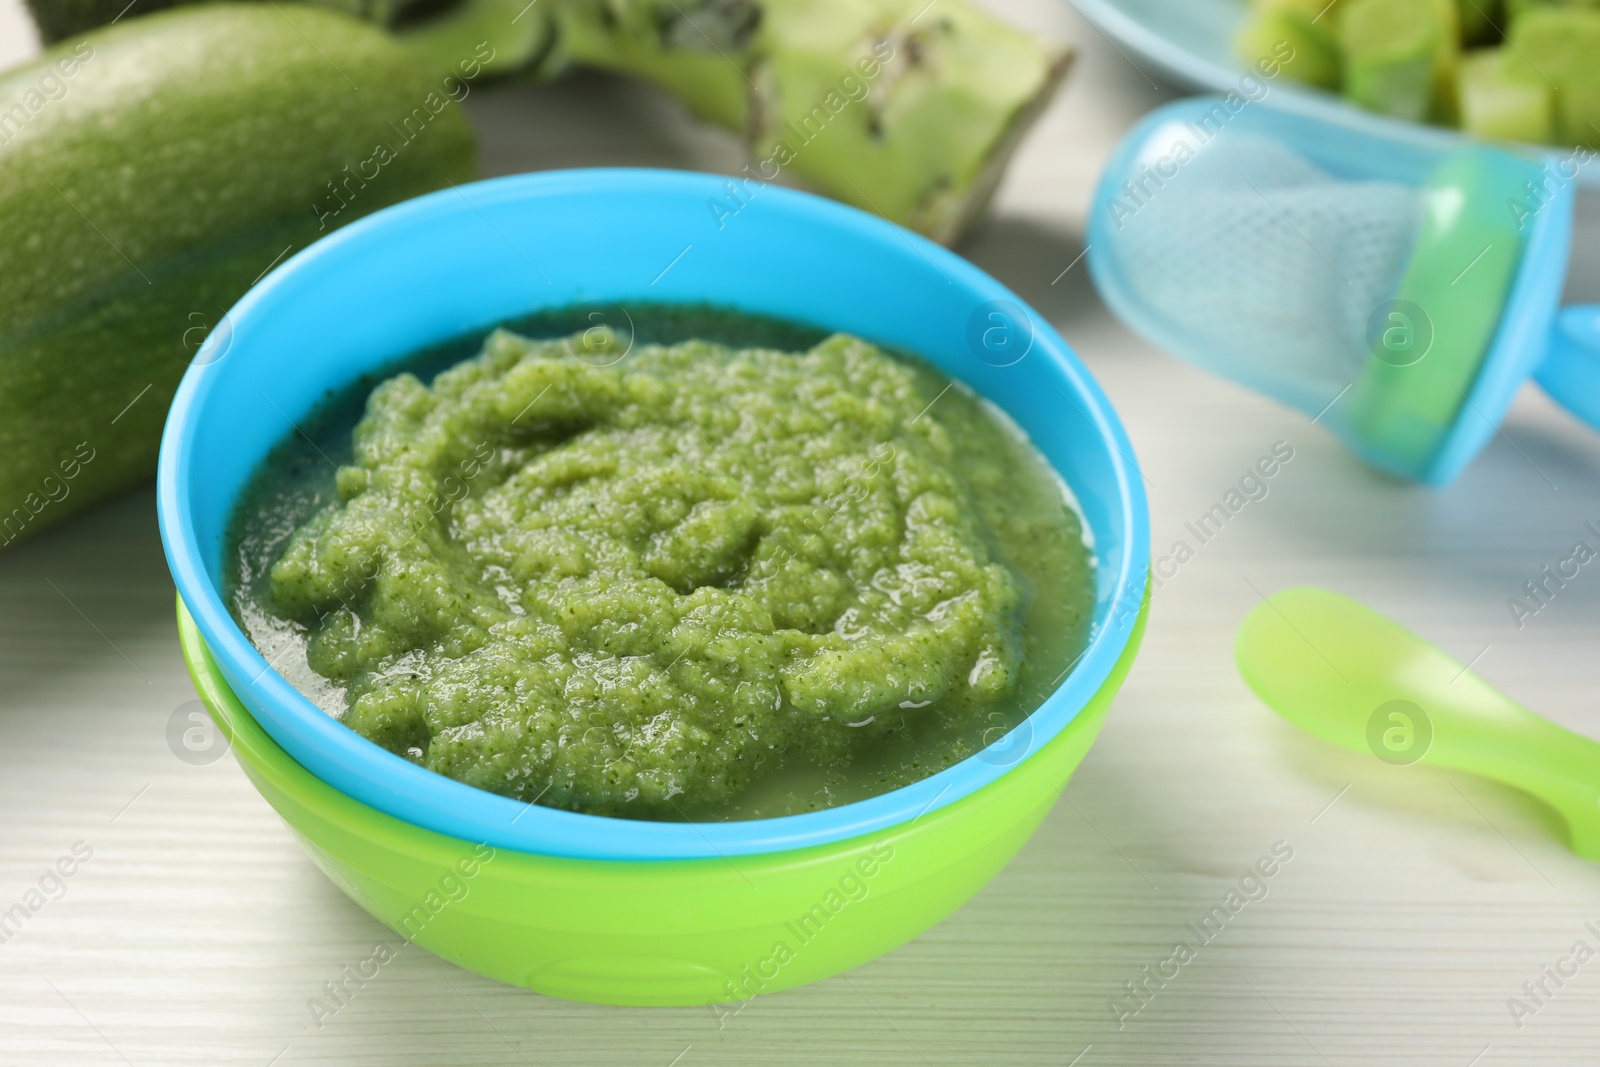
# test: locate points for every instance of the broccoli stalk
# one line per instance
(901, 107)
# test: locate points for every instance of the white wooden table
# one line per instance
(1416, 903)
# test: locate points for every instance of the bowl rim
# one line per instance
(425, 798)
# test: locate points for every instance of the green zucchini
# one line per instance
(150, 173)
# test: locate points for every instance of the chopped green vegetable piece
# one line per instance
(926, 141)
(1322, 14)
(898, 107)
(1400, 56)
(1515, 9)
(1560, 47)
(1496, 104)
(1578, 115)
(1312, 48)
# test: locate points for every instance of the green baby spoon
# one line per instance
(1345, 673)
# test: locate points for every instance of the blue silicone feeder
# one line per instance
(1397, 292)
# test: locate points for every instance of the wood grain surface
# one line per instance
(1414, 905)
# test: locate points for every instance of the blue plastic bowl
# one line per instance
(466, 259)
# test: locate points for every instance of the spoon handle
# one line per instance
(1343, 672)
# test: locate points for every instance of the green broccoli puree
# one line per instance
(687, 580)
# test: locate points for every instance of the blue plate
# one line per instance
(1191, 42)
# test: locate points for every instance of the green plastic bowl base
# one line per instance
(656, 932)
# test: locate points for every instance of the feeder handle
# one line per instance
(1570, 372)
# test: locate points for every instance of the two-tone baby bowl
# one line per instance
(581, 906)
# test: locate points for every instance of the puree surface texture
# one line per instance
(631, 579)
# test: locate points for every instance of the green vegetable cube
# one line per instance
(1494, 103)
(1560, 47)
(1400, 56)
(1515, 9)
(1302, 45)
